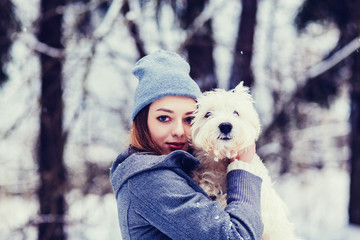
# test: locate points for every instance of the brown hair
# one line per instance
(140, 137)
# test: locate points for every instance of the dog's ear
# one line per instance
(240, 85)
(240, 88)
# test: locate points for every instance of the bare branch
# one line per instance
(109, 20)
(102, 31)
(337, 57)
(313, 72)
(17, 123)
(36, 45)
(84, 94)
(133, 28)
(209, 11)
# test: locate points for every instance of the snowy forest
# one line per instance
(66, 94)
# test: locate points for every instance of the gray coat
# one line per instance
(157, 199)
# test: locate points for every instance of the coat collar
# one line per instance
(130, 163)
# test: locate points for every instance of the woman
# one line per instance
(156, 197)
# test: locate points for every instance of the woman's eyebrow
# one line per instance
(189, 113)
(164, 110)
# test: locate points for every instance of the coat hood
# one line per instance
(131, 162)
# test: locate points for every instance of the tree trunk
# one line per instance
(134, 30)
(200, 55)
(8, 25)
(51, 191)
(354, 205)
(200, 47)
(241, 69)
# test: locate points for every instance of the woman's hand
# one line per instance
(246, 155)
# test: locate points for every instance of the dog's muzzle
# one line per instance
(225, 129)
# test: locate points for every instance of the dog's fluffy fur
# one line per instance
(225, 124)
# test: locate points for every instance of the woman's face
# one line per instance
(169, 122)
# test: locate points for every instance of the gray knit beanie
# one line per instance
(161, 74)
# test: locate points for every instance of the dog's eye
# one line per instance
(236, 113)
(208, 114)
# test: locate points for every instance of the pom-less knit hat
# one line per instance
(161, 74)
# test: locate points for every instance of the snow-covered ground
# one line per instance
(318, 204)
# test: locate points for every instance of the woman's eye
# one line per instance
(236, 113)
(208, 114)
(163, 118)
(189, 120)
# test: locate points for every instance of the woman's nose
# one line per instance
(178, 129)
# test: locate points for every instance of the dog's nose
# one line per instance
(225, 128)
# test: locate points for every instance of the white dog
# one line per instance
(225, 124)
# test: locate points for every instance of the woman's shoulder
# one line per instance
(131, 163)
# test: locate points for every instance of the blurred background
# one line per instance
(66, 96)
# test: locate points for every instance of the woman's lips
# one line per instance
(176, 145)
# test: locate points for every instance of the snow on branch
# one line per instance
(109, 19)
(99, 33)
(340, 55)
(313, 72)
(40, 47)
(210, 10)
